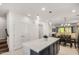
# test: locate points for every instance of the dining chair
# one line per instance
(62, 39)
(68, 40)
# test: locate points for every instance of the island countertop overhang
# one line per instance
(40, 44)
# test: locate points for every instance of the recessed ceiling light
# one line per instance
(43, 9)
(38, 18)
(29, 15)
(0, 4)
(73, 11)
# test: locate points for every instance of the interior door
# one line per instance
(40, 31)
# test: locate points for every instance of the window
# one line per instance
(68, 30)
(64, 30)
(61, 30)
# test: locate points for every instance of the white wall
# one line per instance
(25, 30)
(2, 28)
(20, 29)
(10, 30)
(46, 28)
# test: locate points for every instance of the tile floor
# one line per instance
(63, 51)
(67, 51)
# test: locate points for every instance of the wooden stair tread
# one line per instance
(3, 45)
(4, 49)
(3, 41)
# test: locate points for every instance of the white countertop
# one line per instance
(40, 44)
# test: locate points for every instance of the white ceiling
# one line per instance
(59, 10)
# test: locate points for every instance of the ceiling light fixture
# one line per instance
(0, 4)
(68, 24)
(38, 18)
(73, 11)
(61, 24)
(29, 15)
(65, 25)
(77, 23)
(43, 9)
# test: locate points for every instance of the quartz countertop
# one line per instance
(40, 44)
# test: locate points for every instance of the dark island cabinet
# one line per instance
(53, 49)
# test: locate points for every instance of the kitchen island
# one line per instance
(49, 46)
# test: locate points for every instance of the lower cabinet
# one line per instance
(53, 49)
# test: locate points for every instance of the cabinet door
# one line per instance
(56, 47)
(40, 31)
(33, 52)
(52, 49)
(46, 51)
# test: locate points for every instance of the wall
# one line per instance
(2, 28)
(21, 29)
(10, 39)
(46, 29)
(25, 30)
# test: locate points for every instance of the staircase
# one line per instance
(3, 46)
